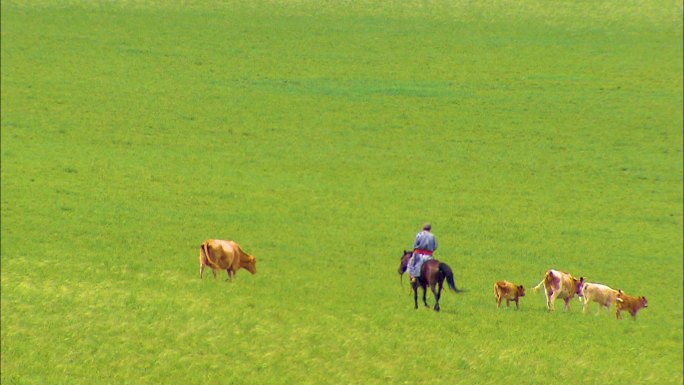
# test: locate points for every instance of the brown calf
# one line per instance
(628, 303)
(508, 291)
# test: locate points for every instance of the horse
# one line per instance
(433, 273)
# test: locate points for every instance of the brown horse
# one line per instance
(433, 273)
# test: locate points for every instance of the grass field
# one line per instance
(320, 136)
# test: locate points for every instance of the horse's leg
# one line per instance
(436, 294)
(415, 293)
(424, 285)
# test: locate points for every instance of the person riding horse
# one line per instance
(423, 248)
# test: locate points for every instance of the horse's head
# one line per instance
(404, 261)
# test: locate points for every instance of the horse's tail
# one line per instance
(446, 270)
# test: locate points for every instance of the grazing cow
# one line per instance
(225, 255)
(508, 291)
(628, 303)
(558, 284)
(596, 292)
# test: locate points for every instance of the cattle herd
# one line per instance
(229, 256)
(558, 284)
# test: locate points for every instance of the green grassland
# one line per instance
(320, 136)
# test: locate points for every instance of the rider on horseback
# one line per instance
(423, 248)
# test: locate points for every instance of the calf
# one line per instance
(628, 303)
(596, 292)
(558, 284)
(508, 291)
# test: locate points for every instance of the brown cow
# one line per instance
(508, 291)
(628, 303)
(558, 284)
(225, 255)
(596, 292)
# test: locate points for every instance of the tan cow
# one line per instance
(558, 284)
(225, 255)
(596, 292)
(628, 303)
(508, 291)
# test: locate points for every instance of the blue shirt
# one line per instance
(425, 240)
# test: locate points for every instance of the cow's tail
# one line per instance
(536, 288)
(446, 270)
(204, 250)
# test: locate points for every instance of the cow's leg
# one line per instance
(201, 271)
(634, 313)
(550, 297)
(567, 303)
(496, 296)
(498, 301)
(517, 305)
(586, 307)
(617, 313)
(508, 303)
(602, 306)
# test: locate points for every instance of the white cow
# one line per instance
(596, 292)
(558, 284)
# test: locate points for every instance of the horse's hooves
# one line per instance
(436, 308)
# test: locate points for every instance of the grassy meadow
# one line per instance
(320, 135)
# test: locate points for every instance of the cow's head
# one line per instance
(521, 291)
(250, 265)
(580, 284)
(644, 302)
